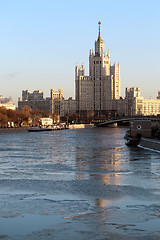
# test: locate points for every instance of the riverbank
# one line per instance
(25, 129)
(13, 130)
(77, 126)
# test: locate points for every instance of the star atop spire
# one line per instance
(99, 36)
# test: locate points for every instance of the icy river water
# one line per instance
(77, 184)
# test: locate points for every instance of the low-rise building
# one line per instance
(7, 103)
(46, 121)
(135, 105)
(151, 107)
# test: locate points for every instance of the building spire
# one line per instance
(99, 36)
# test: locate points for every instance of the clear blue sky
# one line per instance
(42, 40)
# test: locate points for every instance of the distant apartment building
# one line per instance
(34, 100)
(135, 105)
(132, 102)
(101, 88)
(7, 103)
(57, 101)
(69, 106)
(151, 107)
(53, 104)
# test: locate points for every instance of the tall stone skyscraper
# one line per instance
(98, 90)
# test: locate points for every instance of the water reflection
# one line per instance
(103, 164)
(102, 203)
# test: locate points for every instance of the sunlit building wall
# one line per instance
(35, 100)
(135, 105)
(7, 103)
(57, 105)
(102, 86)
(151, 107)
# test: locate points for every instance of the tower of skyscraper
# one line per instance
(98, 90)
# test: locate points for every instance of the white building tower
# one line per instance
(98, 90)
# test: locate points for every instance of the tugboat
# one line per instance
(131, 141)
(138, 129)
(144, 134)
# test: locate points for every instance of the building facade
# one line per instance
(69, 106)
(57, 101)
(53, 104)
(135, 105)
(98, 90)
(7, 103)
(35, 100)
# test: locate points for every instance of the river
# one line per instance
(77, 184)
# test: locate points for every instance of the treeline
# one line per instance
(25, 116)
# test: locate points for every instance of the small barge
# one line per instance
(46, 129)
(144, 134)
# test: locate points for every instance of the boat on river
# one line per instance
(131, 141)
(46, 129)
(143, 133)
